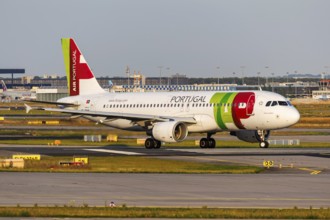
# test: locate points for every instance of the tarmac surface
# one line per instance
(300, 177)
(166, 190)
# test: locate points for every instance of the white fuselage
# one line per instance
(210, 116)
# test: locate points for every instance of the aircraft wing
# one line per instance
(52, 103)
(116, 115)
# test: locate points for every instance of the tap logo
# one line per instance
(74, 71)
(230, 109)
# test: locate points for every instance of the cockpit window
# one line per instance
(274, 103)
(282, 103)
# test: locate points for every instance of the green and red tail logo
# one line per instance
(232, 107)
(76, 67)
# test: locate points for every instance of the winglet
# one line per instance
(27, 108)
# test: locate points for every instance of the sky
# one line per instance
(198, 38)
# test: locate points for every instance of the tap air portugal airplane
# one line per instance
(170, 116)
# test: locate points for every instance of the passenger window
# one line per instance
(274, 103)
(268, 103)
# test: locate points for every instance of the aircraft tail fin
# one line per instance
(4, 87)
(81, 80)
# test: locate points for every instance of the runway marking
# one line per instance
(114, 151)
(312, 172)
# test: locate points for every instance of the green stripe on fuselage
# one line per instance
(223, 111)
(66, 55)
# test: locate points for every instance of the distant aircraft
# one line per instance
(16, 94)
(170, 116)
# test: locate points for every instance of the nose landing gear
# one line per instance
(264, 144)
(263, 136)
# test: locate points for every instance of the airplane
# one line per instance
(17, 95)
(171, 116)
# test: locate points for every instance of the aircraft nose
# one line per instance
(293, 116)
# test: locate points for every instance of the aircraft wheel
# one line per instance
(150, 143)
(212, 143)
(263, 144)
(158, 144)
(204, 143)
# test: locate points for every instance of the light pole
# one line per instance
(295, 90)
(287, 83)
(326, 71)
(128, 74)
(273, 82)
(267, 67)
(242, 68)
(160, 75)
(258, 79)
(218, 68)
(234, 77)
(169, 74)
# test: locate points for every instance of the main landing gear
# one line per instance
(207, 142)
(151, 143)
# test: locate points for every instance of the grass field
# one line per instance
(134, 212)
(132, 164)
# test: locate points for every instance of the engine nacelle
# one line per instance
(250, 135)
(172, 131)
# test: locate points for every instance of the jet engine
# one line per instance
(172, 131)
(251, 136)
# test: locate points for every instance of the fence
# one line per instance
(284, 142)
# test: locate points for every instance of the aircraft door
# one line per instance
(88, 105)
